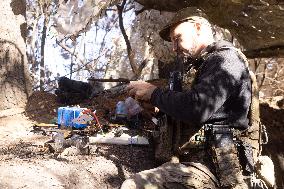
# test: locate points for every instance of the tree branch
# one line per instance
(76, 70)
(142, 66)
(263, 77)
(107, 31)
(70, 51)
(256, 63)
(128, 46)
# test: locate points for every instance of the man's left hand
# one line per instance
(141, 90)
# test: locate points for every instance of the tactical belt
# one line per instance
(205, 134)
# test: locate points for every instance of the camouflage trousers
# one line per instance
(173, 176)
(194, 172)
(197, 172)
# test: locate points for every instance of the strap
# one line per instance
(254, 116)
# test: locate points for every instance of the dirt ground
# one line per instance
(23, 165)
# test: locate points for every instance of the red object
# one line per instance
(90, 112)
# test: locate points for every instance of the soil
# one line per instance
(24, 163)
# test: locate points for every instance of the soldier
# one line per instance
(218, 101)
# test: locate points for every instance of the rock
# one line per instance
(71, 151)
(265, 168)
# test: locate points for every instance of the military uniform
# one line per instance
(220, 95)
(218, 101)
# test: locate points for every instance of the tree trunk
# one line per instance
(14, 77)
(42, 70)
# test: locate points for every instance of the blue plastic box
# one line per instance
(66, 115)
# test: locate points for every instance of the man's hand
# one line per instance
(141, 90)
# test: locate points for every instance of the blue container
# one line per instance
(66, 115)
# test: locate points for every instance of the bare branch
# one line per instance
(42, 73)
(256, 64)
(273, 80)
(71, 63)
(263, 77)
(128, 46)
(76, 70)
(278, 90)
(70, 51)
(142, 65)
(107, 31)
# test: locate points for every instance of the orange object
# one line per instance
(90, 112)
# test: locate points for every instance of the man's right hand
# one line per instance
(141, 90)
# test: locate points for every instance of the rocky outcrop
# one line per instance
(258, 25)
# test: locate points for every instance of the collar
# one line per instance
(207, 50)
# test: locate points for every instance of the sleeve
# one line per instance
(216, 82)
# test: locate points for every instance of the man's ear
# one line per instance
(198, 28)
